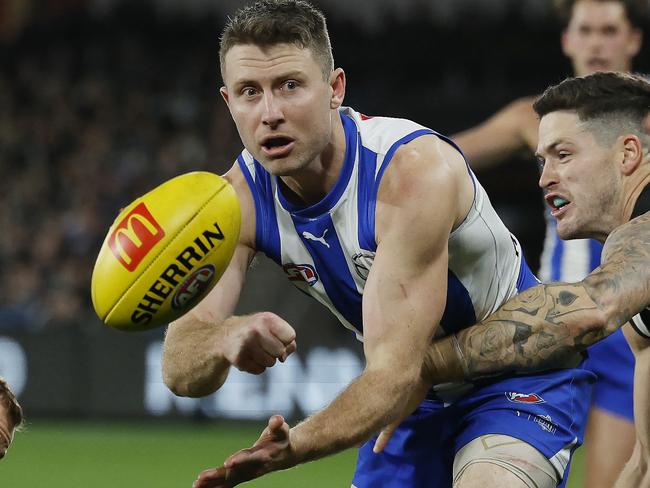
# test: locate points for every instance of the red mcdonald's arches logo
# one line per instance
(135, 236)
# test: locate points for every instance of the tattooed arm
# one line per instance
(545, 326)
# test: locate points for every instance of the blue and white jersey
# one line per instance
(567, 261)
(327, 249)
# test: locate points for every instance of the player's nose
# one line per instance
(273, 114)
(548, 176)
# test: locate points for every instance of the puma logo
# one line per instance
(312, 237)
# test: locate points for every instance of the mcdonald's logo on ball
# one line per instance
(165, 251)
(135, 236)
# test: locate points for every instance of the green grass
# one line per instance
(147, 455)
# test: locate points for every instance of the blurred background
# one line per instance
(100, 101)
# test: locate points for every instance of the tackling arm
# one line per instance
(546, 325)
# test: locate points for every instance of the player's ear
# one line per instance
(566, 43)
(634, 42)
(632, 154)
(337, 82)
(224, 94)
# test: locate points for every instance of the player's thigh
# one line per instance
(499, 461)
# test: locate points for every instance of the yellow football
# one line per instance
(165, 251)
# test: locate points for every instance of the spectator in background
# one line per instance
(11, 417)
(599, 35)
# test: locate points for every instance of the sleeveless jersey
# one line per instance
(327, 249)
(641, 321)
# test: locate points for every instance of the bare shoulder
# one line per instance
(630, 241)
(620, 284)
(237, 179)
(425, 164)
(426, 180)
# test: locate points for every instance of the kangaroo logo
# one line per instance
(312, 237)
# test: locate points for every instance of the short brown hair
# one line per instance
(269, 22)
(636, 10)
(610, 102)
(9, 400)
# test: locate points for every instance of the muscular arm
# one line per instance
(194, 362)
(544, 326)
(511, 129)
(201, 346)
(403, 299)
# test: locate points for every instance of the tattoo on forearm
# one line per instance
(547, 326)
(526, 332)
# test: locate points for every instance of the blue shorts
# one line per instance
(613, 362)
(547, 411)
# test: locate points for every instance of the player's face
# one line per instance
(581, 184)
(6, 430)
(599, 37)
(281, 104)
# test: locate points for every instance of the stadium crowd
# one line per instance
(96, 112)
(84, 128)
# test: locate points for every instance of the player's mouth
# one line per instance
(598, 64)
(558, 204)
(277, 146)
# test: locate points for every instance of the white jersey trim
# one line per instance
(561, 460)
(640, 326)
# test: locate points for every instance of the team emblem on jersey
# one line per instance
(362, 262)
(301, 272)
(528, 398)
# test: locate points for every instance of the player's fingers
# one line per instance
(276, 422)
(240, 457)
(262, 358)
(383, 438)
(272, 345)
(212, 478)
(277, 430)
(283, 331)
(246, 364)
(288, 350)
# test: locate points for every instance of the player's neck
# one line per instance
(312, 183)
(632, 189)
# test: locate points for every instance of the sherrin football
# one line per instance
(165, 251)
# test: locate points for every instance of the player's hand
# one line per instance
(255, 342)
(414, 400)
(271, 452)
